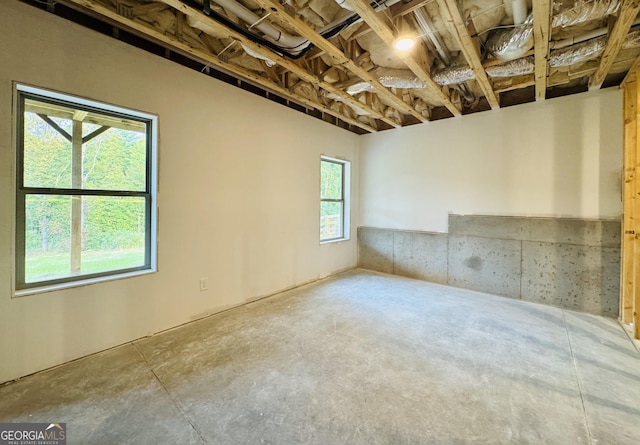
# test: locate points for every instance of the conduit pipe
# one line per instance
(424, 23)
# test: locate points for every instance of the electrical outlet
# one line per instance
(204, 284)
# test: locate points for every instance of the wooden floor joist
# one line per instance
(541, 35)
(215, 28)
(470, 48)
(413, 62)
(278, 12)
(209, 58)
(628, 12)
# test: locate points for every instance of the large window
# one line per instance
(85, 190)
(334, 199)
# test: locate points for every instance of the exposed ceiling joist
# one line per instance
(278, 12)
(319, 58)
(628, 13)
(214, 28)
(470, 48)
(380, 27)
(207, 57)
(541, 35)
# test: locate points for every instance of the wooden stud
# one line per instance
(628, 225)
(541, 35)
(469, 46)
(628, 13)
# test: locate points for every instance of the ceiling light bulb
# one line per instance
(404, 43)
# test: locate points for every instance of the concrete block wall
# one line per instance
(564, 262)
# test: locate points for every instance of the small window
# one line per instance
(85, 195)
(334, 199)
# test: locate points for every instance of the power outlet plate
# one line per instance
(204, 284)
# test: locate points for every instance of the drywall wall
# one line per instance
(238, 194)
(557, 158)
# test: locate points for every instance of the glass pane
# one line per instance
(330, 180)
(47, 154)
(115, 160)
(112, 150)
(47, 237)
(110, 235)
(330, 220)
(113, 233)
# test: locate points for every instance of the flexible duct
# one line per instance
(518, 67)
(632, 40)
(390, 78)
(453, 74)
(582, 11)
(582, 52)
(512, 43)
(394, 78)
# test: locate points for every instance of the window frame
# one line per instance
(345, 200)
(23, 92)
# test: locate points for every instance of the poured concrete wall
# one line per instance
(238, 194)
(565, 262)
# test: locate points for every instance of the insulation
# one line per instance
(582, 11)
(453, 75)
(512, 43)
(518, 67)
(252, 53)
(579, 53)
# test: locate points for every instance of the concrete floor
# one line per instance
(361, 358)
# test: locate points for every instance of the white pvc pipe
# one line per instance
(557, 44)
(519, 10)
(287, 41)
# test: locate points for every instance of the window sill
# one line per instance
(79, 283)
(336, 240)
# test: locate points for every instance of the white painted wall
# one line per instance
(560, 157)
(239, 194)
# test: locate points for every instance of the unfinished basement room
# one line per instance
(319, 222)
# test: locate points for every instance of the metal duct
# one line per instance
(518, 67)
(582, 11)
(512, 43)
(582, 52)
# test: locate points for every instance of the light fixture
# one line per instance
(404, 43)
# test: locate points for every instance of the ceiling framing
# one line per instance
(344, 69)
